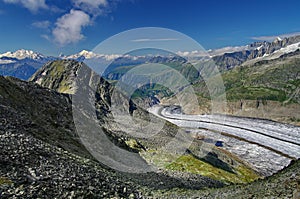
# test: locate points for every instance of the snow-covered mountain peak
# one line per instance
(84, 53)
(278, 39)
(91, 55)
(87, 54)
(22, 54)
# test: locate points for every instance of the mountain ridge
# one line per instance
(23, 63)
(257, 50)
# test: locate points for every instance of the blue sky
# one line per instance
(69, 26)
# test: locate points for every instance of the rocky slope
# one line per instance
(42, 156)
(57, 75)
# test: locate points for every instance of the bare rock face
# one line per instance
(256, 50)
(58, 75)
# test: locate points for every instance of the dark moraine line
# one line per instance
(242, 128)
(251, 142)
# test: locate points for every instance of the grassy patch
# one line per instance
(132, 143)
(253, 93)
(5, 181)
(188, 163)
(151, 90)
(57, 68)
(65, 87)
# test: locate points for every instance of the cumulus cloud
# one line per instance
(194, 53)
(94, 7)
(42, 24)
(32, 5)
(69, 27)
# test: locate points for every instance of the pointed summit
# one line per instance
(277, 40)
(83, 54)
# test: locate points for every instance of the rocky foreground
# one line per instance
(41, 156)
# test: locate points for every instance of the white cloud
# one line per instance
(273, 37)
(32, 5)
(42, 24)
(46, 37)
(194, 53)
(68, 27)
(153, 40)
(93, 3)
(94, 7)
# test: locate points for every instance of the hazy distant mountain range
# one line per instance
(23, 63)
